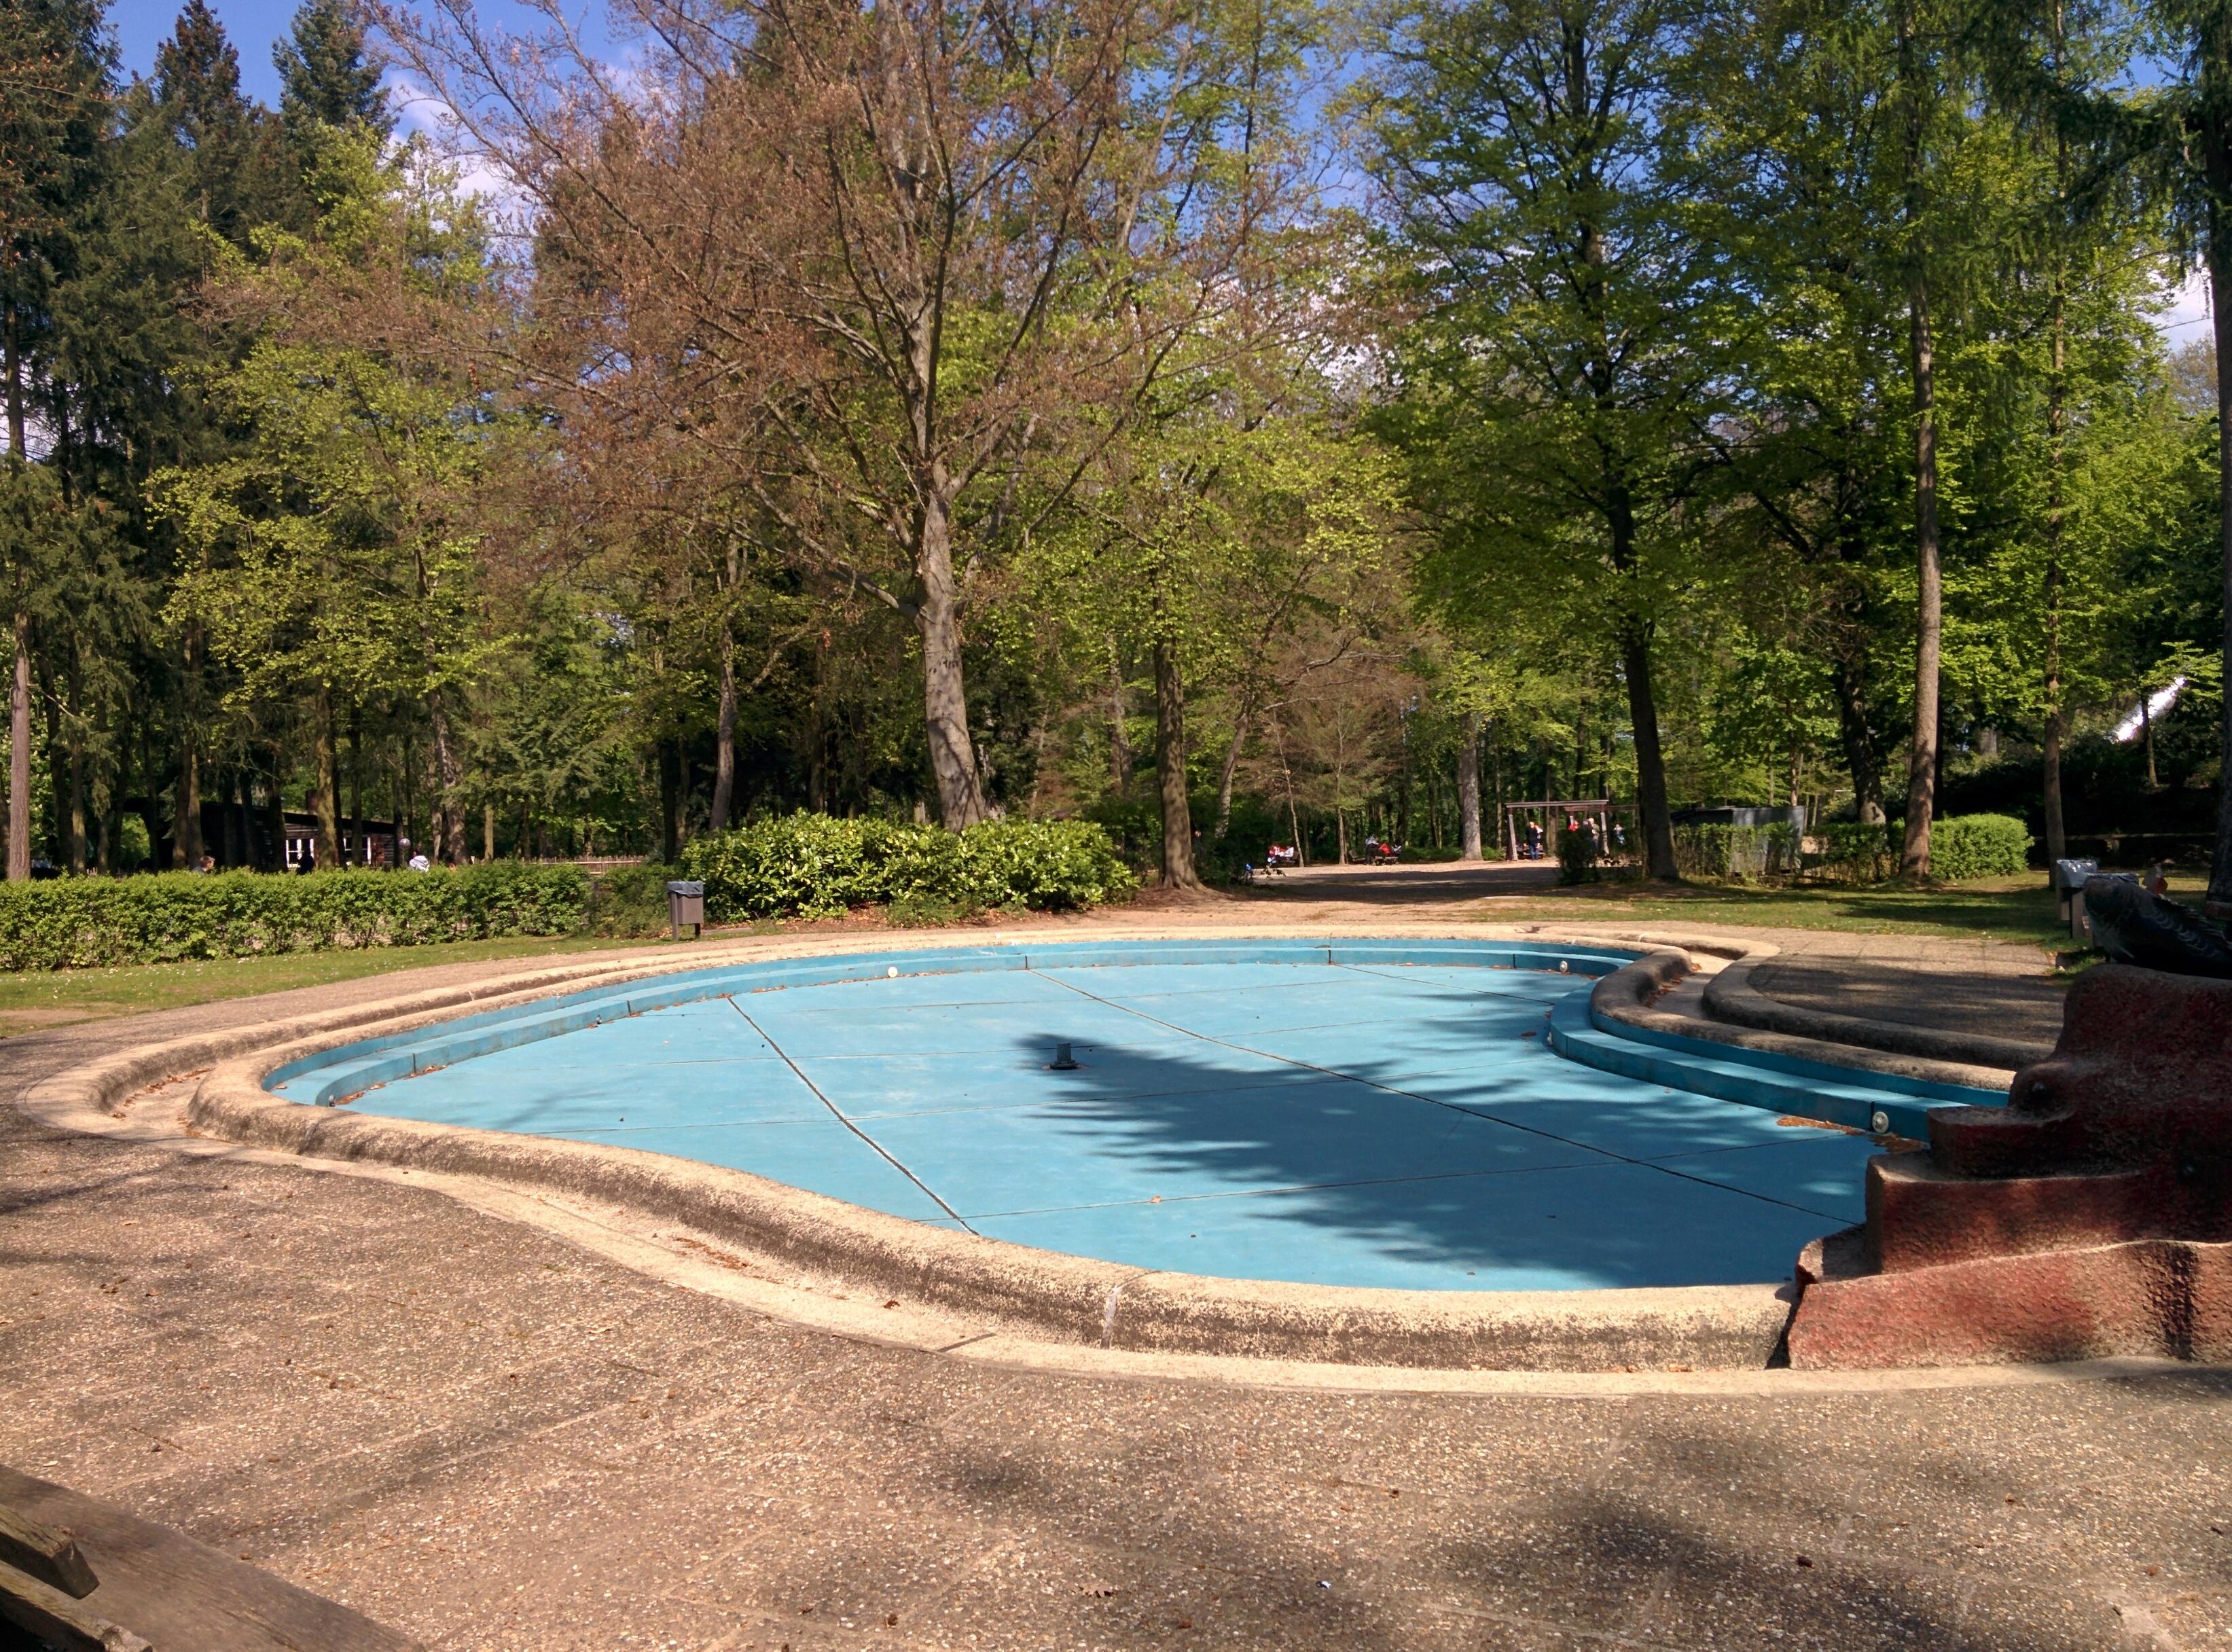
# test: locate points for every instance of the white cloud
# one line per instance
(2186, 318)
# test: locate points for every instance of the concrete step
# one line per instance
(1881, 1104)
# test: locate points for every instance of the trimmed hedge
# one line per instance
(813, 865)
(1979, 846)
(83, 922)
(629, 901)
(1853, 852)
(1735, 853)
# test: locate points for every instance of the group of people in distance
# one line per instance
(1279, 856)
(1533, 839)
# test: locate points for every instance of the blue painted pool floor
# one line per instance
(1381, 1125)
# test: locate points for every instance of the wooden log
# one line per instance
(46, 1552)
(58, 1619)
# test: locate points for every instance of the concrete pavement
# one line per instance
(489, 1437)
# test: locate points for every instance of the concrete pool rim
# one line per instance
(1066, 1298)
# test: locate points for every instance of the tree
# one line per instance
(2173, 139)
(330, 558)
(1212, 544)
(1564, 360)
(53, 117)
(325, 76)
(921, 246)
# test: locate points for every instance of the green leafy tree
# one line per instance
(1565, 360)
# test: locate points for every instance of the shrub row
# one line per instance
(81, 923)
(1737, 853)
(812, 865)
(1978, 845)
(1964, 846)
(1853, 853)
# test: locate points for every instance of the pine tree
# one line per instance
(326, 75)
(229, 143)
(54, 107)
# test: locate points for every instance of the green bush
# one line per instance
(1853, 852)
(1735, 853)
(629, 900)
(812, 865)
(1978, 845)
(79, 923)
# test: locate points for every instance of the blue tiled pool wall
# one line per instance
(1323, 1114)
(363, 1063)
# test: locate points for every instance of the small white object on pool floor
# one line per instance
(893, 970)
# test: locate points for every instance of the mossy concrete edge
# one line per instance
(1072, 1299)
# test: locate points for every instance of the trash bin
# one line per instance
(2069, 878)
(686, 903)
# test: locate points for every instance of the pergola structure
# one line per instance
(1601, 807)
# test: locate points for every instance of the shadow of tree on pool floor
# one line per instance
(1488, 1162)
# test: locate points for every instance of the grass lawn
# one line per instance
(32, 999)
(2020, 910)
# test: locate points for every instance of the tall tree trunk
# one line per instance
(356, 855)
(1229, 768)
(329, 802)
(186, 842)
(406, 803)
(237, 852)
(19, 757)
(19, 719)
(2057, 389)
(944, 696)
(50, 700)
(1642, 703)
(1120, 742)
(1650, 760)
(670, 808)
(1858, 735)
(186, 838)
(817, 737)
(724, 737)
(678, 827)
(112, 817)
(1469, 787)
(1294, 814)
(275, 810)
(1178, 871)
(2219, 151)
(449, 820)
(488, 831)
(1929, 617)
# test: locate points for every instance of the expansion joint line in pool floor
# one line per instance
(837, 1113)
(1433, 1101)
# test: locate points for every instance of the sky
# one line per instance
(142, 25)
(256, 25)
